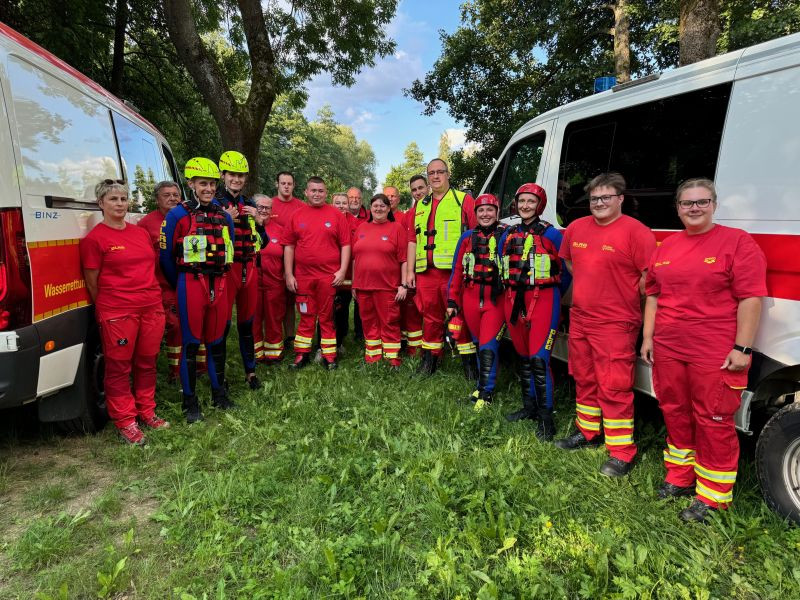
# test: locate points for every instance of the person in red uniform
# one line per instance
(360, 213)
(410, 317)
(607, 254)
(196, 251)
(344, 293)
(534, 278)
(242, 285)
(704, 289)
(475, 289)
(284, 205)
(380, 248)
(167, 195)
(315, 257)
(431, 249)
(118, 265)
(271, 305)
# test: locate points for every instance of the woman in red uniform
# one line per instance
(118, 263)
(474, 289)
(704, 289)
(379, 278)
(271, 305)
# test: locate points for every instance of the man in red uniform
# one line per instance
(607, 254)
(433, 232)
(315, 257)
(196, 250)
(271, 305)
(167, 195)
(242, 285)
(419, 189)
(284, 205)
(344, 293)
(410, 317)
(357, 210)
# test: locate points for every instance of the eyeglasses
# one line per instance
(263, 209)
(437, 172)
(602, 199)
(113, 181)
(701, 203)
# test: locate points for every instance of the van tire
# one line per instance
(88, 390)
(778, 462)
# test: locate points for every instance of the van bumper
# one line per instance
(19, 366)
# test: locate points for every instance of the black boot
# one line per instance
(529, 408)
(546, 429)
(220, 399)
(191, 409)
(428, 364)
(470, 365)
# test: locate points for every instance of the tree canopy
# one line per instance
(399, 175)
(511, 60)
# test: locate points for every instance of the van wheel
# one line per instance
(778, 462)
(89, 393)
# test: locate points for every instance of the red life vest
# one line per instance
(205, 248)
(530, 260)
(246, 242)
(480, 258)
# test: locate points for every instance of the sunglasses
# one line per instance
(113, 181)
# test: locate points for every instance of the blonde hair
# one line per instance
(703, 182)
(109, 185)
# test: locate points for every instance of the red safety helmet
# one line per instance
(487, 200)
(536, 190)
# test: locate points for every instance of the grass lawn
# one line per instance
(362, 483)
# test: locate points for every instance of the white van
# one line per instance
(734, 118)
(60, 133)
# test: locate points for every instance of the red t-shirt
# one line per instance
(151, 223)
(126, 261)
(607, 264)
(272, 256)
(283, 211)
(699, 281)
(318, 235)
(379, 250)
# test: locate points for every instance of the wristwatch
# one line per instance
(743, 349)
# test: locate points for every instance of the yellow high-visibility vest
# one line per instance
(447, 229)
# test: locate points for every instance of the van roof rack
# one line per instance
(634, 82)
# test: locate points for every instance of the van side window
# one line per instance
(523, 159)
(65, 137)
(141, 160)
(654, 145)
(170, 169)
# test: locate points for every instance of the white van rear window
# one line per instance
(65, 137)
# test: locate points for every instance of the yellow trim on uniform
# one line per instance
(725, 477)
(618, 440)
(592, 411)
(617, 423)
(713, 495)
(591, 426)
(328, 341)
(431, 345)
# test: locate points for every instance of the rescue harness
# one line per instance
(530, 262)
(480, 262)
(206, 248)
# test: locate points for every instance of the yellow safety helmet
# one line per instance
(233, 162)
(201, 167)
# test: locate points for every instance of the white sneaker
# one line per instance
(318, 357)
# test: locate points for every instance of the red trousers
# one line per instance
(380, 317)
(698, 402)
(411, 324)
(173, 335)
(268, 321)
(130, 347)
(314, 301)
(242, 290)
(602, 359)
(431, 299)
(203, 314)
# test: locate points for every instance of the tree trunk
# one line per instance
(118, 63)
(622, 46)
(698, 30)
(240, 125)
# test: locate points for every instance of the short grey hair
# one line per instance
(164, 184)
(257, 197)
(109, 185)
